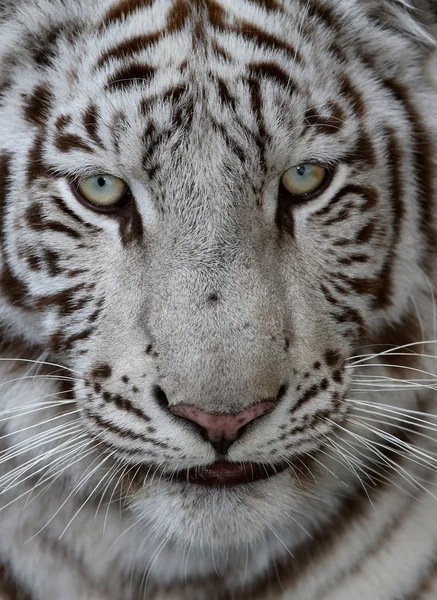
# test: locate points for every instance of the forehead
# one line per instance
(176, 80)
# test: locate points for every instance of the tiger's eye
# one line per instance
(305, 180)
(104, 191)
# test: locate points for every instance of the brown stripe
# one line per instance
(60, 204)
(423, 165)
(124, 9)
(384, 295)
(264, 40)
(271, 5)
(37, 106)
(35, 218)
(177, 16)
(126, 433)
(128, 48)
(66, 142)
(65, 300)
(124, 404)
(36, 167)
(10, 588)
(14, 290)
(60, 343)
(90, 120)
(5, 172)
(225, 95)
(126, 77)
(257, 108)
(272, 71)
(320, 11)
(353, 96)
(370, 194)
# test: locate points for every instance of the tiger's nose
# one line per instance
(223, 429)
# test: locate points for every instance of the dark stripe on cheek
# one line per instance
(396, 198)
(66, 210)
(423, 153)
(13, 288)
(5, 167)
(60, 343)
(36, 220)
(10, 588)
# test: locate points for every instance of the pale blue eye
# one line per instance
(304, 179)
(103, 190)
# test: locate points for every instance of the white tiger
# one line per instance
(217, 300)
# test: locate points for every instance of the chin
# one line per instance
(226, 518)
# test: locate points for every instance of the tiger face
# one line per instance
(208, 208)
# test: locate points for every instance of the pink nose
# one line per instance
(222, 430)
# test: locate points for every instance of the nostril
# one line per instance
(160, 397)
(281, 393)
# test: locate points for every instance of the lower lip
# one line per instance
(223, 473)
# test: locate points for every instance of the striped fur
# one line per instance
(211, 286)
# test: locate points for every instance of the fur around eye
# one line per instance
(103, 191)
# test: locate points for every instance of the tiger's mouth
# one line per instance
(224, 473)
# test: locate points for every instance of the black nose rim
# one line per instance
(160, 397)
(221, 446)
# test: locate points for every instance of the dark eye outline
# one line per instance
(285, 194)
(120, 205)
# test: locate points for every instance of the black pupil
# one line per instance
(301, 170)
(101, 182)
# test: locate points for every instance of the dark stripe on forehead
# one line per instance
(130, 76)
(319, 10)
(353, 96)
(272, 5)
(327, 124)
(273, 72)
(265, 40)
(36, 107)
(36, 166)
(123, 9)
(90, 119)
(128, 48)
(67, 142)
(178, 15)
(257, 108)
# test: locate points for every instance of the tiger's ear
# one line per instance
(415, 18)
